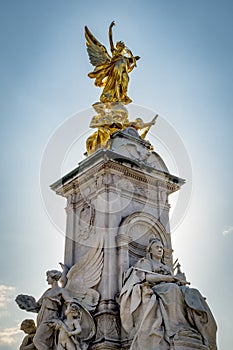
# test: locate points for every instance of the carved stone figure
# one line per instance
(29, 327)
(158, 310)
(111, 73)
(69, 328)
(49, 306)
(70, 335)
(78, 283)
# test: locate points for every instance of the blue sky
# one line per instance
(185, 75)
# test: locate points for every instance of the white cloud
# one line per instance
(7, 295)
(227, 231)
(9, 336)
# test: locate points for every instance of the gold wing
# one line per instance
(96, 51)
(85, 275)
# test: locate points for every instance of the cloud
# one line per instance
(9, 336)
(7, 295)
(227, 231)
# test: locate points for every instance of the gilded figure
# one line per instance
(111, 72)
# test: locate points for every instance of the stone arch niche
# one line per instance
(133, 236)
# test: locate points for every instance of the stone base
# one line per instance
(105, 345)
(184, 345)
(179, 345)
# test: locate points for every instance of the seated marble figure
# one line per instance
(159, 311)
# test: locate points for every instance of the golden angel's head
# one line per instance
(120, 46)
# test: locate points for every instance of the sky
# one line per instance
(185, 74)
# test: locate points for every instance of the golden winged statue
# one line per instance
(111, 72)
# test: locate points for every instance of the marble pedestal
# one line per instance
(117, 198)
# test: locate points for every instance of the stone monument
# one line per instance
(118, 288)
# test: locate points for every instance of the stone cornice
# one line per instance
(103, 161)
